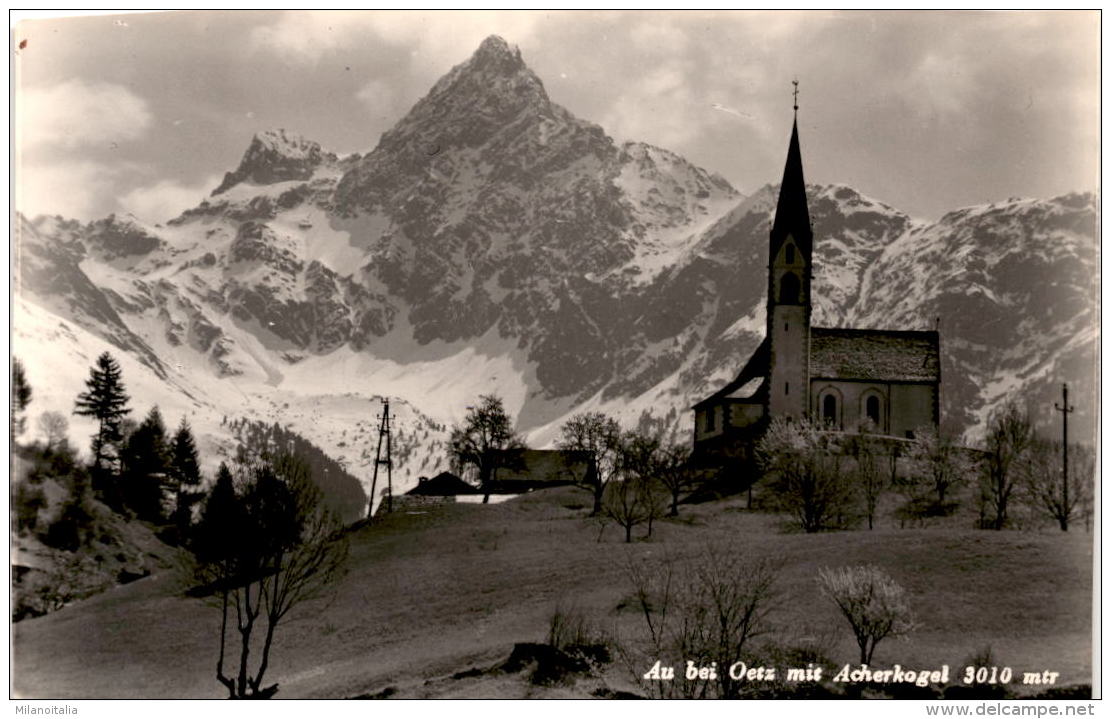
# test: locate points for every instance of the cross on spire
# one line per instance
(795, 82)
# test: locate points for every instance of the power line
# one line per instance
(1065, 409)
(383, 434)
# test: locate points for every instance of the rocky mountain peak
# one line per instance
(488, 119)
(496, 55)
(276, 156)
(121, 236)
(287, 144)
(476, 98)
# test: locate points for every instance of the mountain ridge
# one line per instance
(492, 242)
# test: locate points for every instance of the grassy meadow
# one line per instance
(433, 592)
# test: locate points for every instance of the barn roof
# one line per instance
(883, 355)
(540, 468)
(444, 484)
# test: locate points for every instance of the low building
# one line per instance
(444, 484)
(539, 469)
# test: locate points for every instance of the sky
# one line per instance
(927, 111)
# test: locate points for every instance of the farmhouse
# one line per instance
(848, 378)
(444, 488)
(538, 469)
(444, 484)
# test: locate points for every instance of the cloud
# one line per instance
(75, 113)
(382, 98)
(659, 37)
(166, 199)
(86, 189)
(73, 190)
(658, 107)
(942, 85)
(432, 37)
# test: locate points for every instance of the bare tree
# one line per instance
(596, 437)
(654, 499)
(1046, 492)
(868, 475)
(642, 462)
(487, 441)
(939, 463)
(1010, 437)
(873, 603)
(54, 427)
(676, 473)
(705, 610)
(1084, 470)
(262, 550)
(807, 473)
(623, 502)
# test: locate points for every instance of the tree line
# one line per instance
(830, 480)
(633, 477)
(139, 470)
(341, 491)
(823, 480)
(259, 542)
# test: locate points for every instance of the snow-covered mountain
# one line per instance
(492, 242)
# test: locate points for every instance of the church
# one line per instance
(887, 380)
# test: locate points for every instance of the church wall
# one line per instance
(708, 423)
(903, 407)
(743, 414)
(850, 398)
(731, 416)
(912, 406)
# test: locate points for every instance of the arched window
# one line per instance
(789, 289)
(829, 409)
(872, 409)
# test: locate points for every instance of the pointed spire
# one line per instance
(791, 213)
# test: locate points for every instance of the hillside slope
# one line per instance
(441, 590)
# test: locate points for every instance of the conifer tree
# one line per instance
(184, 476)
(21, 397)
(221, 517)
(145, 459)
(105, 401)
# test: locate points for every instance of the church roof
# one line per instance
(792, 217)
(750, 378)
(884, 355)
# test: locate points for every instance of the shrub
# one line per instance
(568, 626)
(37, 593)
(706, 610)
(807, 475)
(873, 603)
(28, 501)
(76, 524)
(573, 634)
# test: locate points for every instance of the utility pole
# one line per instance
(383, 433)
(1065, 409)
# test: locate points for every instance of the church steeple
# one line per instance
(789, 275)
(792, 216)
